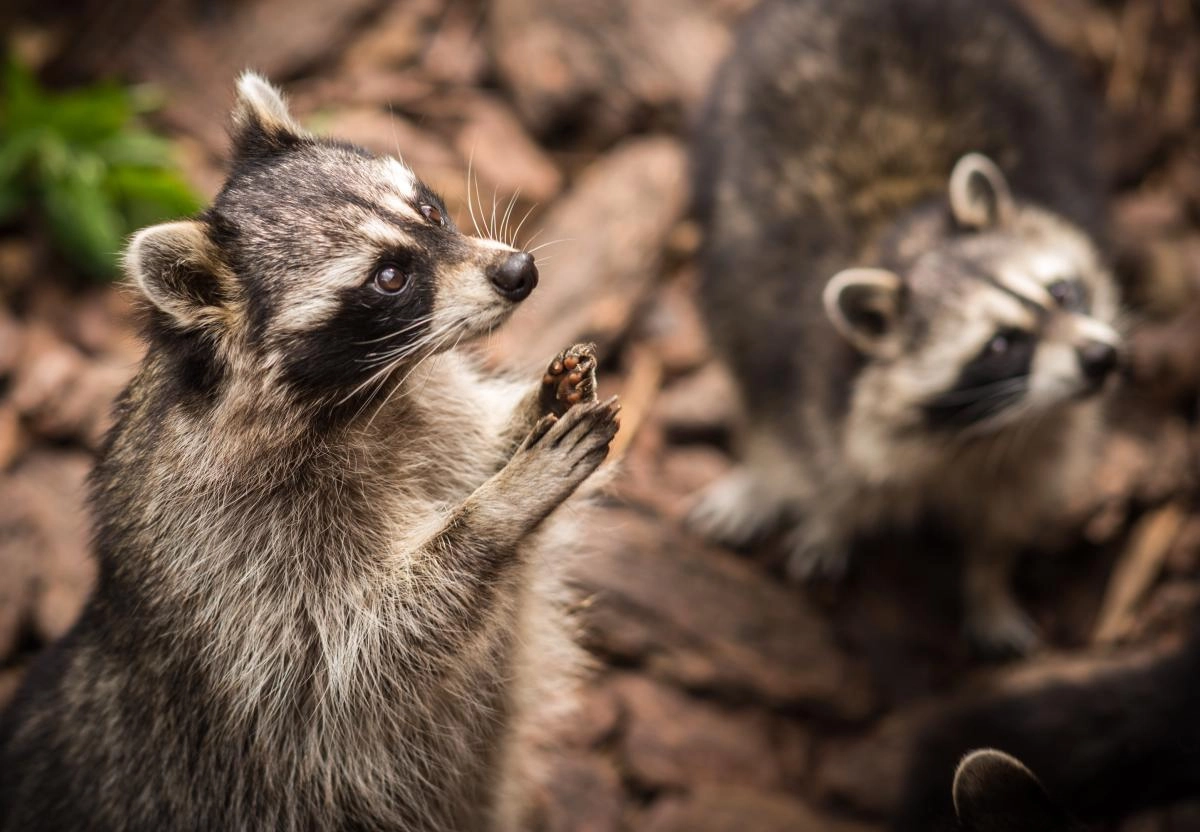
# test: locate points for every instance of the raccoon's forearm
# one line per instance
(525, 415)
(466, 564)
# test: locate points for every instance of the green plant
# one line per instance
(80, 159)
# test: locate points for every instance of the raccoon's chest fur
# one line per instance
(1001, 485)
(277, 654)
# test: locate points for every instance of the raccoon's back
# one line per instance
(832, 118)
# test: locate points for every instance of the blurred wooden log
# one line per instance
(708, 622)
(597, 71)
(603, 243)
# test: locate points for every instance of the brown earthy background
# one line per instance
(726, 699)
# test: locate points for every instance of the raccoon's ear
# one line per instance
(262, 124)
(979, 194)
(994, 792)
(863, 305)
(179, 270)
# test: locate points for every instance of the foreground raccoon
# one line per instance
(322, 602)
(898, 197)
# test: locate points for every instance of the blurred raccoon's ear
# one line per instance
(863, 305)
(179, 270)
(994, 792)
(262, 124)
(979, 194)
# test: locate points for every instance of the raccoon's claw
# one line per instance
(1003, 634)
(570, 379)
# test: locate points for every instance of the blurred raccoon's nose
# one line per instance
(1098, 360)
(516, 277)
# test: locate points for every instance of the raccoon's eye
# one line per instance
(1007, 343)
(999, 344)
(433, 215)
(389, 279)
(1067, 293)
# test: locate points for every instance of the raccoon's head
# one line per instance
(1008, 315)
(320, 270)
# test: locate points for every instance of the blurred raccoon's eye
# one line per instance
(433, 215)
(999, 344)
(1008, 346)
(1067, 293)
(389, 279)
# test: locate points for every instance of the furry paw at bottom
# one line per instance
(812, 556)
(735, 510)
(570, 379)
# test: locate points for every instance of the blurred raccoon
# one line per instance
(327, 595)
(900, 204)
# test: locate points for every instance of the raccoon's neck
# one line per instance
(197, 499)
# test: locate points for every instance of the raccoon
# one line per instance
(327, 598)
(900, 206)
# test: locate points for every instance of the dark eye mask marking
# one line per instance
(995, 379)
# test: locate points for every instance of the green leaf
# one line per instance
(83, 220)
(81, 157)
(17, 155)
(88, 116)
(150, 195)
(135, 147)
(21, 104)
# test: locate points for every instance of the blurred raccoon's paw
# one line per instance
(814, 555)
(734, 511)
(1004, 633)
(570, 379)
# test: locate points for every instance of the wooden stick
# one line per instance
(1136, 571)
(641, 388)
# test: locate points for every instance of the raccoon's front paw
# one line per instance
(1004, 633)
(562, 451)
(570, 379)
(734, 511)
(812, 554)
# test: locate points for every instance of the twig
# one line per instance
(1136, 570)
(641, 388)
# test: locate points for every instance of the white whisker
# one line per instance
(521, 224)
(470, 205)
(549, 243)
(507, 216)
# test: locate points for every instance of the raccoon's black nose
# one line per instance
(516, 277)
(1098, 360)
